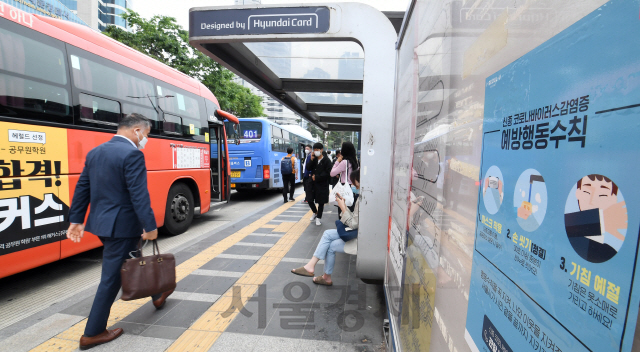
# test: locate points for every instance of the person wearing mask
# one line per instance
(331, 243)
(320, 167)
(306, 173)
(114, 182)
(345, 163)
(289, 175)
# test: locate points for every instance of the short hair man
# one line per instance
(288, 162)
(114, 182)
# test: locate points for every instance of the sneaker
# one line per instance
(292, 200)
(313, 217)
(318, 223)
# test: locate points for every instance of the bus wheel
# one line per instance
(179, 212)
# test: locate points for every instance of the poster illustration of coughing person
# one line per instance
(596, 218)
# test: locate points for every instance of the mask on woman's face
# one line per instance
(317, 153)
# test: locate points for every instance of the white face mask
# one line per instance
(317, 153)
(306, 151)
(141, 142)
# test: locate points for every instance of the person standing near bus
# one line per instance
(289, 175)
(306, 173)
(114, 182)
(320, 167)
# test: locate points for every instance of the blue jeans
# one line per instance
(329, 245)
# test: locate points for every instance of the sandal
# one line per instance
(302, 272)
(318, 280)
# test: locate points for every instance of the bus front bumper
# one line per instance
(253, 185)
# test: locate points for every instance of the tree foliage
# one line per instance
(331, 139)
(163, 39)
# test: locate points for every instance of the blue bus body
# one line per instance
(255, 161)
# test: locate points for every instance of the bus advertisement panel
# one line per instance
(35, 187)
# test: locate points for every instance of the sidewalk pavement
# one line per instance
(235, 293)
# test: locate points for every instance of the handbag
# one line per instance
(148, 276)
(343, 189)
(345, 235)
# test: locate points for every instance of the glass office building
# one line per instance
(109, 12)
(61, 9)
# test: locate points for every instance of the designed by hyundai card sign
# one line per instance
(288, 20)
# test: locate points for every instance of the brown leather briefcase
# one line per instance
(146, 276)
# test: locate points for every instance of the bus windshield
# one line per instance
(248, 130)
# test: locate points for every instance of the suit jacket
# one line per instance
(114, 182)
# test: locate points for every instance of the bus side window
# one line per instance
(24, 55)
(99, 110)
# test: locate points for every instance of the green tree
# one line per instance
(316, 132)
(164, 40)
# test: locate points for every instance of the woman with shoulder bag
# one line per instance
(346, 162)
(340, 240)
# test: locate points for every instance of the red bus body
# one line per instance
(37, 235)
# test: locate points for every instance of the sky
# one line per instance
(180, 8)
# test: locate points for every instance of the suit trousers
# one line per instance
(114, 253)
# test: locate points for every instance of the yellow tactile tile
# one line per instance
(56, 344)
(194, 341)
(214, 321)
(74, 332)
(284, 227)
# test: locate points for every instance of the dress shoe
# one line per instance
(159, 303)
(104, 337)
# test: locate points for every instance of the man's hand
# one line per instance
(296, 176)
(151, 235)
(313, 156)
(313, 177)
(615, 217)
(75, 232)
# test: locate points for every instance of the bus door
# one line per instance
(301, 157)
(220, 187)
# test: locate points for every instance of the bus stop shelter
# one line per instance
(333, 64)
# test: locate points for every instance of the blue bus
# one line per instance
(256, 147)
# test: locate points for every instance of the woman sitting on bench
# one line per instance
(331, 243)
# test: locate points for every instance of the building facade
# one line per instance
(99, 14)
(52, 8)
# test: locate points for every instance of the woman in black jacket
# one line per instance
(320, 174)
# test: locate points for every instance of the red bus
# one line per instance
(63, 89)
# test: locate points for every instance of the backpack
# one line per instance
(286, 167)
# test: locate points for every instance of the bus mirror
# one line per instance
(236, 129)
